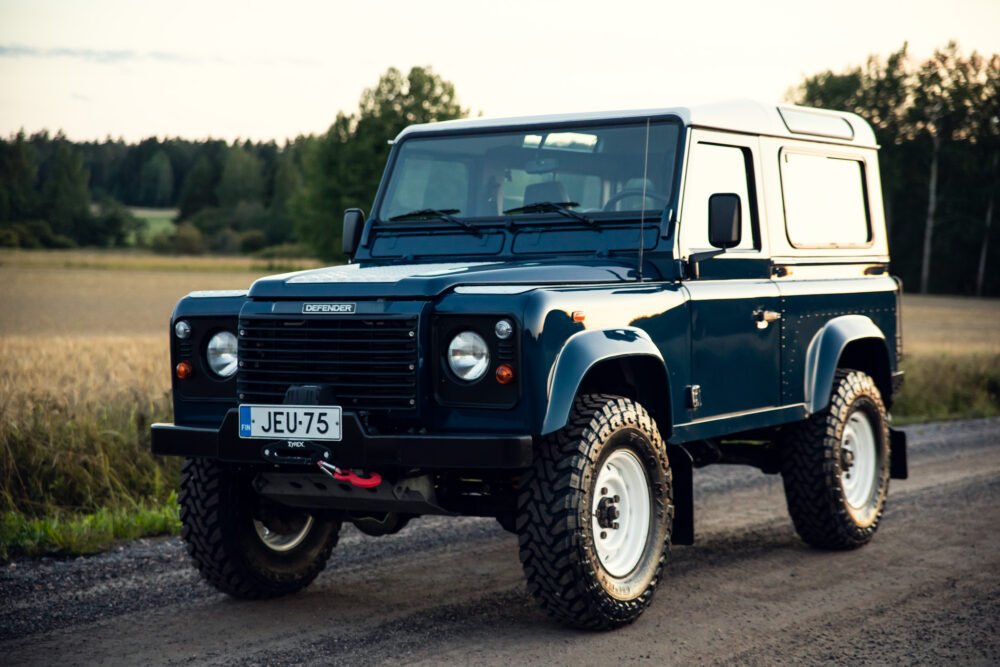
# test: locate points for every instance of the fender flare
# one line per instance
(825, 350)
(579, 354)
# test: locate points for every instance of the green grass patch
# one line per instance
(949, 387)
(155, 221)
(74, 534)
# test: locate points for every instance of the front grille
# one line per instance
(370, 364)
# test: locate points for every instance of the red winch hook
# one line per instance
(341, 475)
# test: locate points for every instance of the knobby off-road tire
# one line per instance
(835, 466)
(556, 520)
(218, 513)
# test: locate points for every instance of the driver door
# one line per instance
(734, 305)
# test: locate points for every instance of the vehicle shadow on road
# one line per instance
(473, 600)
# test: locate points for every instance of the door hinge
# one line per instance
(693, 396)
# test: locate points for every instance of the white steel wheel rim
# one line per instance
(858, 478)
(620, 549)
(282, 542)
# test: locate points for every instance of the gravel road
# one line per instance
(926, 590)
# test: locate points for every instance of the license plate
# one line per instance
(290, 422)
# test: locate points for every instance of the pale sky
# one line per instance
(273, 70)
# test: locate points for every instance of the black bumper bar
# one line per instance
(357, 449)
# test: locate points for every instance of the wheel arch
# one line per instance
(848, 341)
(619, 361)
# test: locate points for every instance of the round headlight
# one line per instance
(468, 356)
(221, 354)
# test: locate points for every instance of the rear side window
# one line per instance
(825, 201)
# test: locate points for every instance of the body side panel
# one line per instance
(646, 320)
(825, 350)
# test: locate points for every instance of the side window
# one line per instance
(825, 201)
(714, 169)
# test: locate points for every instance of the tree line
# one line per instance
(230, 197)
(938, 124)
(937, 120)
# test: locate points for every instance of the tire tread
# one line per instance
(204, 498)
(810, 470)
(549, 517)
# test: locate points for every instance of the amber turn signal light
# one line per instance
(505, 374)
(184, 370)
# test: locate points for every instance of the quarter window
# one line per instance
(825, 201)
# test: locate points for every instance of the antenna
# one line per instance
(642, 212)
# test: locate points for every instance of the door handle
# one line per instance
(764, 317)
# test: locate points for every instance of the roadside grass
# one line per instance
(79, 534)
(949, 386)
(74, 421)
(75, 467)
(84, 371)
(951, 359)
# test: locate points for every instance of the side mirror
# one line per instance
(354, 224)
(724, 228)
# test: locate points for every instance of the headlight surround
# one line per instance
(468, 356)
(221, 354)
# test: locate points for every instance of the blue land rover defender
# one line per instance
(553, 321)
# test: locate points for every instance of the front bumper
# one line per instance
(358, 449)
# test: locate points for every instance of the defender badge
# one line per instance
(339, 308)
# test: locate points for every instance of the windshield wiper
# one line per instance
(560, 207)
(445, 214)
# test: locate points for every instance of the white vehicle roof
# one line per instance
(743, 116)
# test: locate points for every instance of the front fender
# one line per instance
(825, 351)
(581, 352)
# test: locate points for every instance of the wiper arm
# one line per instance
(561, 207)
(445, 214)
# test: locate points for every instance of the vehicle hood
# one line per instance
(429, 280)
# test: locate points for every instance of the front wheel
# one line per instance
(595, 514)
(835, 466)
(245, 545)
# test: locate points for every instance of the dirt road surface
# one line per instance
(926, 590)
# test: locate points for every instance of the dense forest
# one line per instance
(938, 122)
(230, 197)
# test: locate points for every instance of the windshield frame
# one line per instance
(664, 214)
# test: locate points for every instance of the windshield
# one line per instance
(600, 171)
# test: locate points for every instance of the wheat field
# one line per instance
(84, 370)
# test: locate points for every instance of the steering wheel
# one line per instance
(634, 192)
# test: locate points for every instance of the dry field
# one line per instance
(84, 371)
(950, 325)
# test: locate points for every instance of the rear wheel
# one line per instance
(244, 545)
(835, 466)
(595, 513)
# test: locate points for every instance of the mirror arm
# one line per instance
(695, 260)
